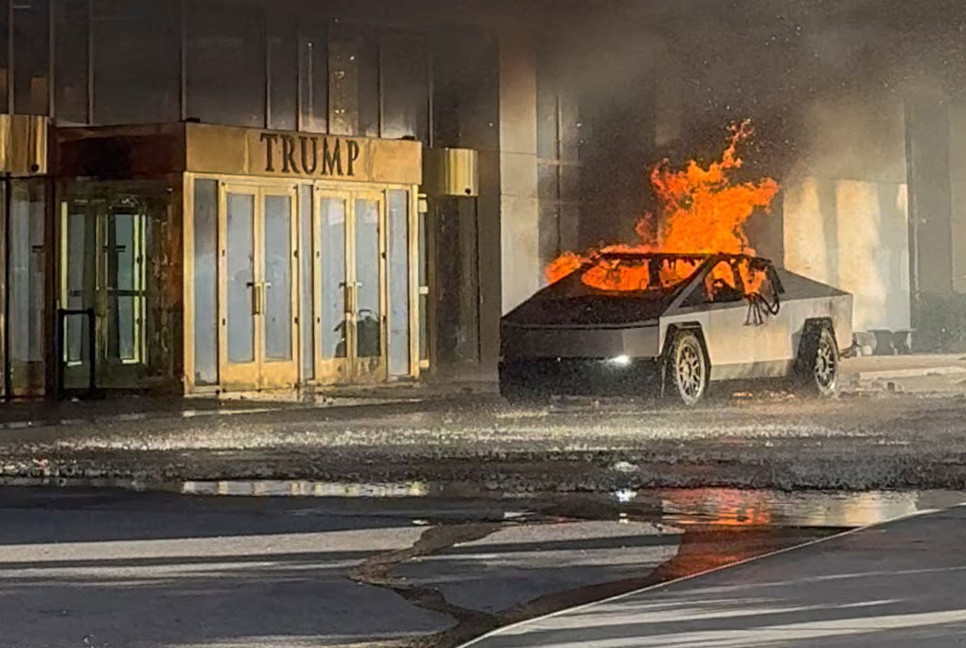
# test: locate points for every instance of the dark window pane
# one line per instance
(353, 82)
(31, 55)
(405, 86)
(283, 71)
(313, 76)
(136, 57)
(466, 89)
(70, 66)
(226, 62)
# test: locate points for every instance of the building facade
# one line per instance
(207, 196)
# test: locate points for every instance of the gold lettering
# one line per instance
(309, 162)
(300, 154)
(354, 151)
(331, 160)
(270, 141)
(288, 155)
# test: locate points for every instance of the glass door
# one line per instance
(351, 278)
(333, 308)
(367, 290)
(122, 300)
(103, 264)
(259, 292)
(278, 325)
(24, 283)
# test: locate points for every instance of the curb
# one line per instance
(898, 374)
(196, 413)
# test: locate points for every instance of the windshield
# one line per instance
(610, 289)
(622, 273)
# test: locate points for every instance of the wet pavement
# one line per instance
(895, 585)
(476, 444)
(428, 521)
(119, 568)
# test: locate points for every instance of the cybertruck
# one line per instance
(675, 324)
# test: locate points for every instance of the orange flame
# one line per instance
(701, 212)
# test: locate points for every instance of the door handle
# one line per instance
(256, 297)
(350, 298)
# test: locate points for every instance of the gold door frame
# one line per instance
(374, 369)
(326, 371)
(98, 214)
(236, 375)
(281, 373)
(350, 369)
(259, 373)
(336, 370)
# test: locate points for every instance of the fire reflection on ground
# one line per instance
(735, 507)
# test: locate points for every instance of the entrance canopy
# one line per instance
(234, 259)
(129, 152)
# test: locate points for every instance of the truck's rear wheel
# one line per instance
(688, 368)
(819, 361)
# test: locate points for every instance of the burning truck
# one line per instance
(694, 308)
(688, 321)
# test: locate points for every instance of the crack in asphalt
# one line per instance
(702, 548)
(377, 571)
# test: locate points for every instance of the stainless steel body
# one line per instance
(746, 336)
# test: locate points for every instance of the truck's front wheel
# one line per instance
(688, 368)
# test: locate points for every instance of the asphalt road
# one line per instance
(106, 569)
(480, 444)
(893, 586)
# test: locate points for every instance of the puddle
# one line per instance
(722, 507)
(731, 507)
(302, 488)
(684, 507)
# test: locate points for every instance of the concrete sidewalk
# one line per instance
(19, 414)
(900, 584)
(932, 373)
(941, 374)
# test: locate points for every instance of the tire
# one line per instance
(818, 365)
(688, 369)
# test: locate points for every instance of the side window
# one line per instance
(722, 284)
(756, 280)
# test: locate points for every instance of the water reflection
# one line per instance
(303, 488)
(734, 507)
(717, 507)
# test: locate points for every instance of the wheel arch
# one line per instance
(672, 331)
(810, 330)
